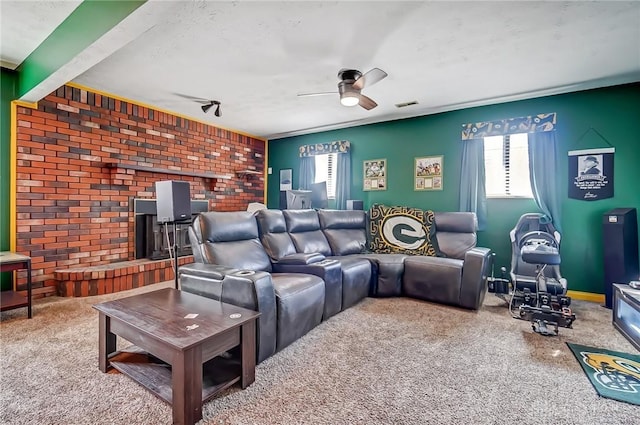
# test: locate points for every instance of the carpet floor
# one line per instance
(383, 361)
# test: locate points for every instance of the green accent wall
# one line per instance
(86, 24)
(8, 88)
(614, 112)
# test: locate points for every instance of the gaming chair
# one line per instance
(523, 274)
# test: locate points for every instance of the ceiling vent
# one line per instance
(405, 104)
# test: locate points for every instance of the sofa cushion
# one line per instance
(402, 230)
(356, 279)
(433, 279)
(386, 273)
(273, 234)
(345, 230)
(304, 228)
(246, 255)
(300, 301)
(456, 233)
(225, 227)
(230, 239)
(298, 221)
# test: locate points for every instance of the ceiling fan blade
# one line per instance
(317, 94)
(369, 78)
(367, 103)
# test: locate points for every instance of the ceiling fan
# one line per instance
(351, 83)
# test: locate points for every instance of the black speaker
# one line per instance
(282, 201)
(620, 239)
(355, 204)
(173, 201)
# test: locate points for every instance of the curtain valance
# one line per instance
(532, 124)
(338, 146)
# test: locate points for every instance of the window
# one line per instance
(326, 171)
(506, 164)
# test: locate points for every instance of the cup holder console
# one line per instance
(245, 273)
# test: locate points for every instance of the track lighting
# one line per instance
(205, 108)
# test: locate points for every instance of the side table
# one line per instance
(10, 261)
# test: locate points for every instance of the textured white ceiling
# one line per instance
(25, 24)
(255, 57)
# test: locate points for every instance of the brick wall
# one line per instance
(74, 210)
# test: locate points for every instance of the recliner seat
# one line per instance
(460, 278)
(304, 229)
(237, 270)
(346, 234)
(282, 252)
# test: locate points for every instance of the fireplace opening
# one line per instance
(151, 236)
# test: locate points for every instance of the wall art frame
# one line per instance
(374, 174)
(428, 172)
(286, 179)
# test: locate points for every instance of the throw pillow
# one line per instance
(402, 230)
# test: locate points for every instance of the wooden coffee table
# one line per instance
(162, 323)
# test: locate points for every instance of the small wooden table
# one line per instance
(10, 261)
(162, 323)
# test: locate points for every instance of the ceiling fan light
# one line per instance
(349, 99)
(205, 108)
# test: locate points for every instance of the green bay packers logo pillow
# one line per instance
(402, 230)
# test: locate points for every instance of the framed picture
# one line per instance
(286, 179)
(428, 173)
(375, 174)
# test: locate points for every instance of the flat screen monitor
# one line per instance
(319, 198)
(298, 199)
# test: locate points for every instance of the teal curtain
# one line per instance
(473, 194)
(307, 172)
(343, 180)
(543, 166)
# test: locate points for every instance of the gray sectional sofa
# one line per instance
(300, 267)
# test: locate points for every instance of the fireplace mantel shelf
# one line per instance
(248, 173)
(211, 176)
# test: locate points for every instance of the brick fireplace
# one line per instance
(82, 158)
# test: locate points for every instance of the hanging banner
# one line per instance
(591, 174)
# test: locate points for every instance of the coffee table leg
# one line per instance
(186, 386)
(106, 342)
(248, 354)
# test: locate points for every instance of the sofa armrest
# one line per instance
(301, 259)
(254, 290)
(209, 271)
(330, 272)
(243, 288)
(477, 262)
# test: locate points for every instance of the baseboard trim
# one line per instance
(586, 296)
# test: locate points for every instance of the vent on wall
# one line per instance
(405, 104)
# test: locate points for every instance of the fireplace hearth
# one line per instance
(151, 236)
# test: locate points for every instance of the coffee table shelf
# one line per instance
(218, 375)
